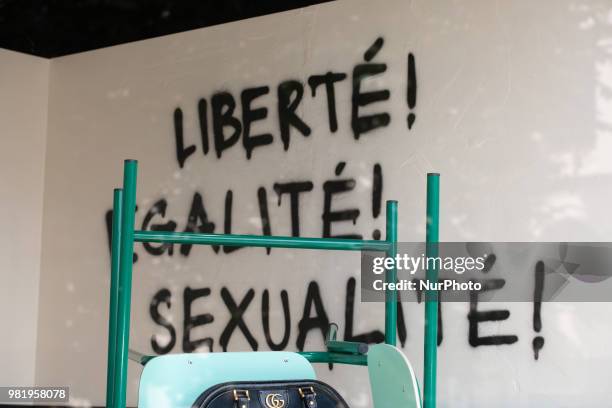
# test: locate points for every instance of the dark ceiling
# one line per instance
(55, 27)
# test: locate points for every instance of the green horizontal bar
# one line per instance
(139, 357)
(260, 241)
(326, 357)
(346, 347)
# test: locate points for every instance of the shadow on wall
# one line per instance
(536, 144)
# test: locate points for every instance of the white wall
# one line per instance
(24, 85)
(513, 109)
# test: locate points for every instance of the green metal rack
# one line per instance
(122, 246)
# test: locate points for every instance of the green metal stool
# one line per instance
(177, 378)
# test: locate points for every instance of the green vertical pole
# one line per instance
(125, 282)
(431, 297)
(391, 276)
(114, 294)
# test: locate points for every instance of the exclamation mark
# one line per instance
(377, 186)
(538, 341)
(411, 93)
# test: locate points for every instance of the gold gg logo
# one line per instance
(275, 401)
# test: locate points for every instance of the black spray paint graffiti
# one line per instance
(155, 219)
(477, 317)
(313, 318)
(411, 92)
(319, 321)
(221, 128)
(229, 128)
(538, 341)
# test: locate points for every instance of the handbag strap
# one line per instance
(242, 398)
(309, 396)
